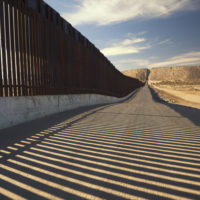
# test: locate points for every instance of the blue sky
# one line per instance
(138, 33)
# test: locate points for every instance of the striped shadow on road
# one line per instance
(74, 163)
(93, 158)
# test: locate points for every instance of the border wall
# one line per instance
(43, 54)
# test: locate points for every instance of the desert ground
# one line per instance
(177, 85)
(178, 92)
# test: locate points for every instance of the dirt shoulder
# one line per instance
(187, 95)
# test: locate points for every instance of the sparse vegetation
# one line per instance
(182, 86)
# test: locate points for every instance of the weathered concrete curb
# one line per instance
(16, 110)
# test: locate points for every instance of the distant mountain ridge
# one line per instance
(140, 74)
(187, 74)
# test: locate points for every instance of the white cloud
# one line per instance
(187, 59)
(190, 58)
(167, 41)
(127, 46)
(132, 41)
(105, 12)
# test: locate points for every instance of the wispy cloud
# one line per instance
(187, 59)
(105, 12)
(190, 58)
(126, 46)
(167, 41)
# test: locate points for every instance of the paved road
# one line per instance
(139, 149)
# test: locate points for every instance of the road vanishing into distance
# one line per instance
(142, 148)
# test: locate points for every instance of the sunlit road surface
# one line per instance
(139, 149)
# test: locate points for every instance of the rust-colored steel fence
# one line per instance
(42, 54)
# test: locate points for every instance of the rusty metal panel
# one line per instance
(51, 56)
(12, 46)
(43, 54)
(28, 52)
(63, 70)
(35, 46)
(40, 58)
(49, 63)
(8, 50)
(17, 54)
(24, 50)
(38, 52)
(34, 4)
(67, 61)
(1, 49)
(3, 45)
(21, 47)
(32, 53)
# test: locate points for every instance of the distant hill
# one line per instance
(140, 74)
(187, 74)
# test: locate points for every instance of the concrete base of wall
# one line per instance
(16, 110)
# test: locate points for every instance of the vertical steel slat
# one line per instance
(76, 73)
(87, 68)
(68, 62)
(12, 34)
(66, 54)
(48, 55)
(25, 66)
(73, 65)
(64, 62)
(40, 58)
(40, 47)
(44, 50)
(51, 78)
(63, 55)
(49, 43)
(21, 38)
(89, 61)
(1, 65)
(35, 54)
(43, 56)
(32, 53)
(9, 66)
(79, 66)
(85, 71)
(43, 45)
(54, 57)
(28, 62)
(33, 59)
(1, 83)
(17, 53)
(61, 68)
(78, 63)
(38, 52)
(3, 45)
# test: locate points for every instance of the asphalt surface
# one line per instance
(142, 148)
